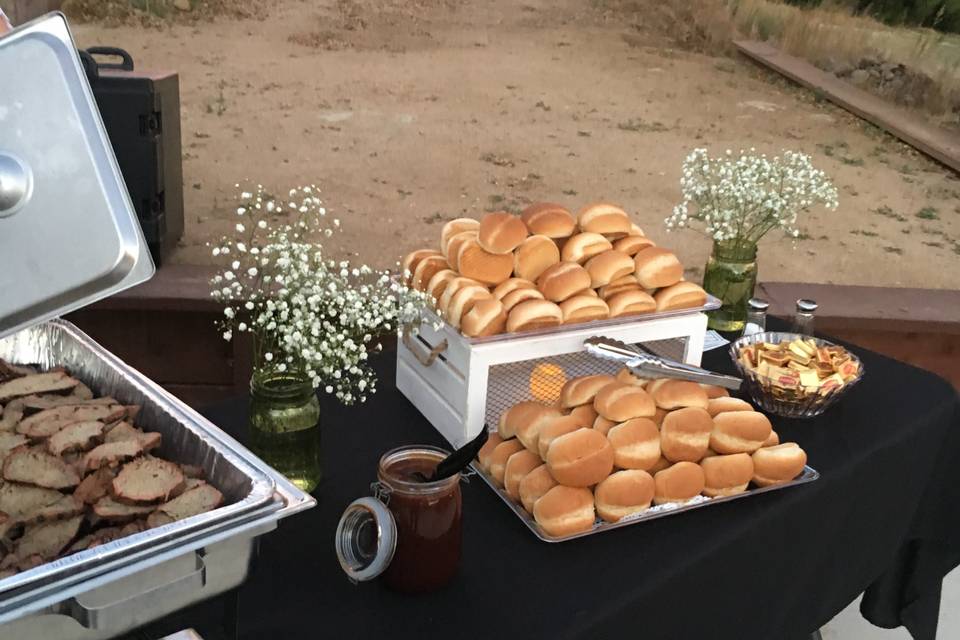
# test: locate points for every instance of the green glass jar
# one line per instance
(730, 275)
(285, 426)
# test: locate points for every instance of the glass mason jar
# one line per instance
(285, 426)
(427, 515)
(730, 275)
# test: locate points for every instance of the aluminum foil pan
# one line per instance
(186, 439)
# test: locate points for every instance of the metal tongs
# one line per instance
(647, 365)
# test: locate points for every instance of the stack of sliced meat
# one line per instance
(76, 473)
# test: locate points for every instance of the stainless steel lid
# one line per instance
(68, 232)
(366, 539)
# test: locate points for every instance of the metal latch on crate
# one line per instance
(648, 365)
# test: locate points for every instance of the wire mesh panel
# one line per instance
(541, 379)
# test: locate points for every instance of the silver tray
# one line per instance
(712, 303)
(654, 512)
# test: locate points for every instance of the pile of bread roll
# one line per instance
(612, 446)
(545, 268)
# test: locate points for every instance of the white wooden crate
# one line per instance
(460, 384)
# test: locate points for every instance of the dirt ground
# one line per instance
(409, 113)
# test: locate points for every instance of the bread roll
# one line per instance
(483, 456)
(438, 283)
(583, 246)
(656, 267)
(604, 218)
(501, 232)
(659, 465)
(726, 475)
(534, 314)
(631, 245)
(636, 444)
(584, 308)
(454, 227)
(426, 269)
(488, 268)
(619, 285)
(585, 412)
(564, 511)
(534, 485)
(635, 230)
(603, 425)
(624, 493)
(621, 402)
(676, 394)
(581, 458)
(722, 405)
(582, 390)
(678, 483)
(486, 318)
(558, 426)
(630, 303)
(682, 295)
(659, 416)
(452, 287)
(563, 280)
(685, 434)
(548, 219)
(528, 429)
(463, 301)
(412, 260)
(511, 284)
(654, 385)
(627, 377)
(773, 440)
(517, 296)
(739, 431)
(714, 391)
(608, 266)
(533, 256)
(453, 247)
(778, 464)
(498, 459)
(520, 414)
(518, 466)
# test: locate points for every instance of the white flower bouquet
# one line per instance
(740, 198)
(309, 314)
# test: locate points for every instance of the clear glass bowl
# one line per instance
(801, 402)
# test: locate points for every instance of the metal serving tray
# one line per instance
(252, 492)
(654, 512)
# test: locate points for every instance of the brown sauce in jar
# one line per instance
(428, 520)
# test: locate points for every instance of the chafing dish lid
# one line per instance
(68, 232)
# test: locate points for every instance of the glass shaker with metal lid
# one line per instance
(756, 316)
(803, 320)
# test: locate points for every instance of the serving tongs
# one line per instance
(647, 365)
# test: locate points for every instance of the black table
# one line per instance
(884, 516)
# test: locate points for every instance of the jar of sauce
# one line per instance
(411, 536)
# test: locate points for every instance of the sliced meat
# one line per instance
(10, 441)
(33, 404)
(37, 467)
(48, 539)
(12, 414)
(79, 436)
(147, 479)
(47, 422)
(10, 371)
(122, 430)
(82, 392)
(193, 471)
(109, 509)
(36, 383)
(198, 500)
(20, 500)
(111, 454)
(65, 507)
(95, 486)
(133, 527)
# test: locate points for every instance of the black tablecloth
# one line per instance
(884, 516)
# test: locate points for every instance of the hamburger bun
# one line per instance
(563, 280)
(463, 301)
(548, 219)
(412, 260)
(726, 475)
(685, 434)
(585, 412)
(528, 429)
(630, 303)
(556, 427)
(522, 414)
(454, 285)
(627, 377)
(608, 266)
(473, 261)
(584, 308)
(501, 232)
(656, 268)
(426, 269)
(510, 285)
(778, 464)
(608, 219)
(659, 416)
(438, 283)
(603, 425)
(483, 456)
(739, 431)
(583, 246)
(621, 402)
(682, 295)
(454, 227)
(581, 458)
(452, 251)
(486, 318)
(624, 493)
(518, 466)
(533, 256)
(517, 296)
(498, 459)
(530, 315)
(725, 404)
(659, 465)
(636, 444)
(631, 245)
(676, 394)
(678, 483)
(773, 440)
(714, 391)
(564, 511)
(582, 390)
(619, 285)
(534, 485)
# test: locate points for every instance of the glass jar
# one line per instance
(756, 316)
(427, 516)
(285, 426)
(730, 275)
(803, 318)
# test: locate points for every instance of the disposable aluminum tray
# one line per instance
(654, 512)
(186, 439)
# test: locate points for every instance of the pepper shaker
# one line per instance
(756, 316)
(803, 320)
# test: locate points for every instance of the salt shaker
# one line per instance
(803, 320)
(756, 316)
